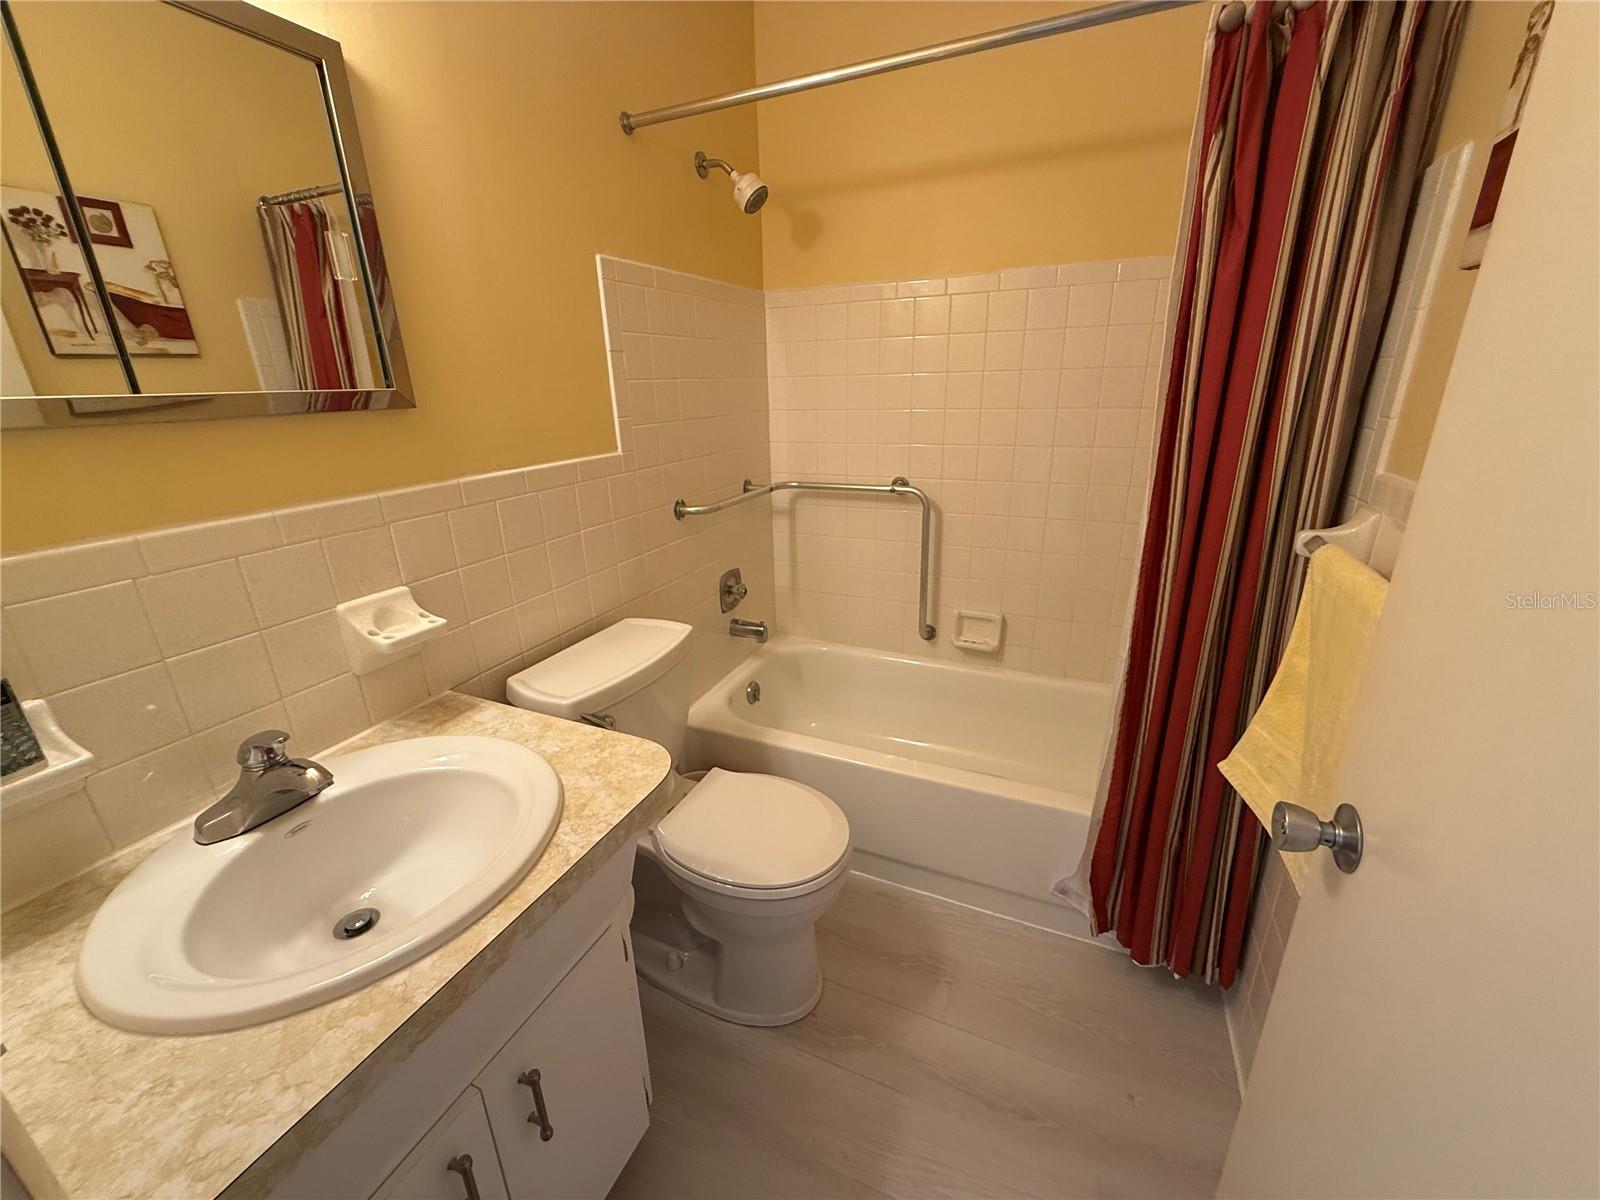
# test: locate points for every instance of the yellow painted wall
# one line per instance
(499, 171)
(1489, 50)
(1066, 149)
(504, 114)
(193, 120)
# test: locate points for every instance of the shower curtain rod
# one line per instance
(305, 193)
(1012, 35)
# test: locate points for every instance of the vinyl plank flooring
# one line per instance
(953, 1054)
(1079, 1134)
(1075, 1004)
(865, 1131)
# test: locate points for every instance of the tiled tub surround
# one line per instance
(160, 651)
(1023, 402)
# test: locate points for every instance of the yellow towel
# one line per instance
(1293, 745)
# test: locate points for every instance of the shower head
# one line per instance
(749, 193)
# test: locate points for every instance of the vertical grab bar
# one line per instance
(898, 486)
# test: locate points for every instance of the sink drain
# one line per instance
(354, 924)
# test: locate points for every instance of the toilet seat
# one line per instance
(759, 835)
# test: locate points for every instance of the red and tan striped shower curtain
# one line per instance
(324, 337)
(1307, 146)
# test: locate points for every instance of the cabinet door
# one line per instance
(566, 1096)
(455, 1161)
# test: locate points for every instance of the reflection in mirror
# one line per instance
(205, 166)
(56, 338)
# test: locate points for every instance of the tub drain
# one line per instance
(354, 924)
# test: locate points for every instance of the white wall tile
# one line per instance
(51, 572)
(287, 583)
(392, 689)
(77, 638)
(327, 714)
(449, 660)
(43, 845)
(476, 489)
(193, 545)
(521, 524)
(363, 563)
(1028, 426)
(150, 792)
(197, 606)
(306, 652)
(312, 521)
(495, 638)
(122, 717)
(424, 547)
(487, 587)
(421, 501)
(1089, 304)
(223, 681)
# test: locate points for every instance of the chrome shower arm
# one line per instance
(703, 163)
(898, 486)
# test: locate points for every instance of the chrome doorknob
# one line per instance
(1299, 830)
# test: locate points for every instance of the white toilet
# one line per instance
(730, 883)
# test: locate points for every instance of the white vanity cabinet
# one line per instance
(565, 1004)
(457, 1158)
(566, 1099)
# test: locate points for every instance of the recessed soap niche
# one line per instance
(385, 626)
(981, 631)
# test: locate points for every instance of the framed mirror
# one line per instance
(190, 232)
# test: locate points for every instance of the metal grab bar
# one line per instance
(898, 486)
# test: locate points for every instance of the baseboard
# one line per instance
(1239, 1073)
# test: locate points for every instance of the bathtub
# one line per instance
(972, 784)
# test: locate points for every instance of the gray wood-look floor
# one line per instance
(953, 1054)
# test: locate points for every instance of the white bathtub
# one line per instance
(972, 784)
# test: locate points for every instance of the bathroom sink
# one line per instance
(412, 843)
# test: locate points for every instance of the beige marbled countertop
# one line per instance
(93, 1111)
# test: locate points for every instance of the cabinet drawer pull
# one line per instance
(461, 1164)
(540, 1116)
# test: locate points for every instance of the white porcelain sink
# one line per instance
(430, 832)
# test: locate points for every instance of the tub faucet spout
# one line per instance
(740, 628)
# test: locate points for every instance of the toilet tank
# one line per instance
(630, 672)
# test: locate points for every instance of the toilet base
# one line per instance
(749, 963)
(690, 974)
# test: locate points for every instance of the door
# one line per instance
(455, 1161)
(1433, 1029)
(566, 1096)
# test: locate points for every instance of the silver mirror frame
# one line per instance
(55, 412)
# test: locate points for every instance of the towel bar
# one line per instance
(1356, 537)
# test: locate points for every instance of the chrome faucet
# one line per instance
(739, 627)
(270, 784)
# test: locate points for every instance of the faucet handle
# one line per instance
(262, 750)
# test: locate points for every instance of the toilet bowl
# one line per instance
(730, 883)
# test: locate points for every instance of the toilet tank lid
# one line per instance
(602, 669)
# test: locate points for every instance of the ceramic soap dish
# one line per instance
(385, 626)
(65, 766)
(980, 631)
